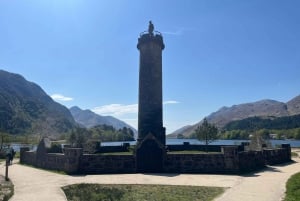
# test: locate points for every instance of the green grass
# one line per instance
(294, 154)
(116, 153)
(293, 188)
(6, 189)
(98, 192)
(192, 152)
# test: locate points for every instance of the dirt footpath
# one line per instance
(267, 185)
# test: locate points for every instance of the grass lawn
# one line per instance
(115, 153)
(98, 192)
(294, 154)
(293, 188)
(192, 152)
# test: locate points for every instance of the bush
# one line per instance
(293, 188)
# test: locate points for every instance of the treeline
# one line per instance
(275, 123)
(265, 133)
(104, 133)
(77, 136)
(273, 127)
(109, 133)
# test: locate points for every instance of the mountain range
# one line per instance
(263, 108)
(89, 119)
(26, 108)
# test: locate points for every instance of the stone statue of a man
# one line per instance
(150, 28)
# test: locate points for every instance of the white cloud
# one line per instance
(59, 97)
(116, 109)
(120, 109)
(175, 33)
(171, 102)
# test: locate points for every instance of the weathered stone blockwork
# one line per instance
(199, 147)
(230, 160)
(277, 156)
(194, 163)
(250, 160)
(27, 157)
(101, 164)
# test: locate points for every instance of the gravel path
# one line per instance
(267, 185)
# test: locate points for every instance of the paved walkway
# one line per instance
(32, 184)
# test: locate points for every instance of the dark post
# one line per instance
(6, 167)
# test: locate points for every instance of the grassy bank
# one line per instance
(6, 189)
(293, 188)
(97, 192)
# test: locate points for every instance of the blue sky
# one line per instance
(218, 52)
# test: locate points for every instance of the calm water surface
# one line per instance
(293, 143)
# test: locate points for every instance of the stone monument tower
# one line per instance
(151, 133)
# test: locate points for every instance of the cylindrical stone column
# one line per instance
(150, 114)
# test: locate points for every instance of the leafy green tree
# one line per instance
(297, 134)
(78, 137)
(206, 132)
(264, 133)
(109, 133)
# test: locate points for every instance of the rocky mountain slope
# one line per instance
(89, 119)
(263, 108)
(26, 108)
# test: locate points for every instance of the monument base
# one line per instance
(150, 155)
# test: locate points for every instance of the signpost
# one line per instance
(6, 167)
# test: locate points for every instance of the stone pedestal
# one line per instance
(231, 160)
(72, 159)
(150, 155)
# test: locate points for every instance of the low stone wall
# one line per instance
(194, 163)
(110, 149)
(27, 157)
(250, 160)
(67, 162)
(101, 164)
(200, 147)
(229, 160)
(277, 156)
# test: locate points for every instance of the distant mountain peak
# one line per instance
(26, 108)
(90, 119)
(266, 108)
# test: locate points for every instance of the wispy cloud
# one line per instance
(116, 109)
(171, 102)
(120, 109)
(178, 32)
(59, 97)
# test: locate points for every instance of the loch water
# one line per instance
(293, 143)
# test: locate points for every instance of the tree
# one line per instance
(297, 134)
(206, 132)
(78, 137)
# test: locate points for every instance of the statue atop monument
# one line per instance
(150, 28)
